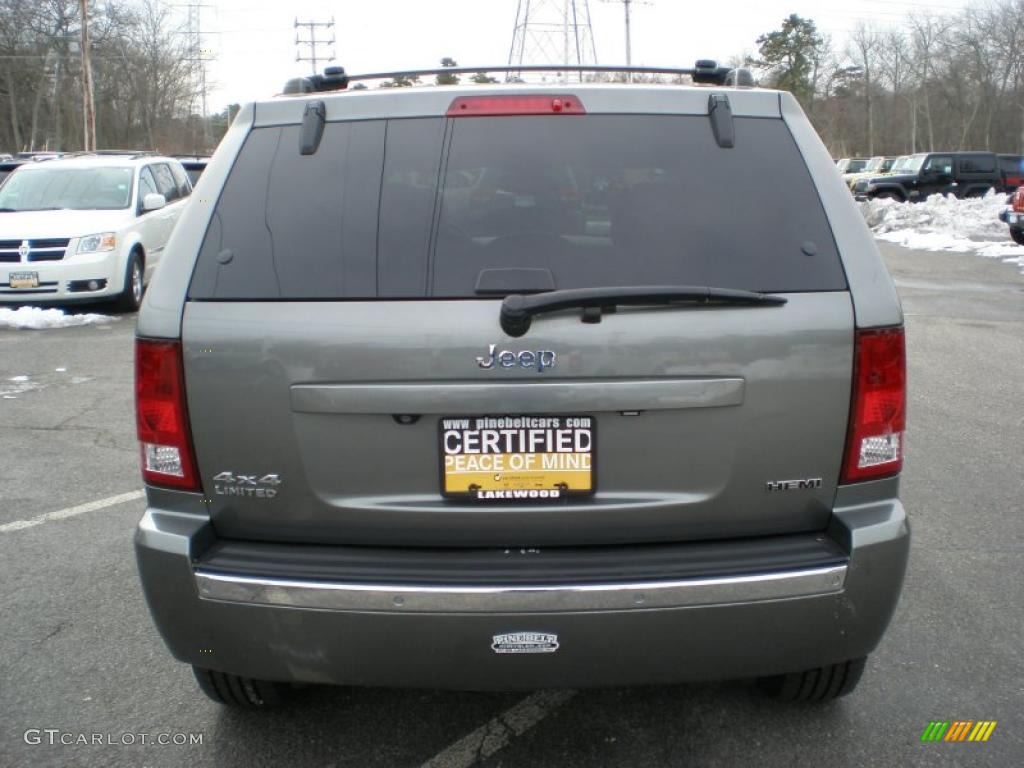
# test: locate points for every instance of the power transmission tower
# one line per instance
(312, 42)
(199, 56)
(629, 39)
(553, 32)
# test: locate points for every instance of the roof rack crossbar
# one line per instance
(525, 68)
(705, 72)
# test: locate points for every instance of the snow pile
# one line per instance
(36, 318)
(944, 223)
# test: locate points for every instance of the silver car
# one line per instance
(497, 386)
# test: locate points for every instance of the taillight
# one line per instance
(878, 409)
(1018, 200)
(161, 416)
(515, 104)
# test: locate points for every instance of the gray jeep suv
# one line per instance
(495, 387)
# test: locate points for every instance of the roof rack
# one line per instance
(129, 153)
(704, 72)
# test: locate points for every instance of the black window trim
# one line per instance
(138, 203)
(174, 183)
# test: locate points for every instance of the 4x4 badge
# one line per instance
(232, 484)
(541, 359)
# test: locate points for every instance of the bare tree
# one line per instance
(894, 65)
(865, 42)
(144, 83)
(927, 32)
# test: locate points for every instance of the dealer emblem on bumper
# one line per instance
(525, 642)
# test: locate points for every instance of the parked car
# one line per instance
(902, 163)
(1011, 168)
(38, 155)
(87, 228)
(1014, 216)
(543, 437)
(7, 166)
(194, 166)
(852, 164)
(12, 163)
(962, 174)
(876, 166)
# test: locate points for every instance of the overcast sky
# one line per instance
(253, 43)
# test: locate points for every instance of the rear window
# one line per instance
(978, 164)
(1012, 165)
(466, 207)
(194, 171)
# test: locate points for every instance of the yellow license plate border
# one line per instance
(469, 495)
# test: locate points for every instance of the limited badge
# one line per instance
(525, 642)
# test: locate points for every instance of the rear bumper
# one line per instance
(555, 598)
(610, 632)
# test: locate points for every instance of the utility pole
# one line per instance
(88, 106)
(629, 37)
(313, 42)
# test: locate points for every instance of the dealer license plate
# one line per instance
(529, 458)
(24, 279)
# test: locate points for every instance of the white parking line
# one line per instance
(62, 514)
(495, 734)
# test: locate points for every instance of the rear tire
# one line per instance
(820, 684)
(234, 691)
(1017, 235)
(130, 298)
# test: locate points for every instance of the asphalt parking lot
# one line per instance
(79, 654)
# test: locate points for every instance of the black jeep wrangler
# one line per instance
(963, 174)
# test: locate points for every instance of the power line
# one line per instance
(313, 42)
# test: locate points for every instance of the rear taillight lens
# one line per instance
(1018, 200)
(878, 409)
(161, 416)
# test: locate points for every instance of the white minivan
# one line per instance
(87, 228)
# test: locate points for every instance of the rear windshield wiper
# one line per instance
(518, 311)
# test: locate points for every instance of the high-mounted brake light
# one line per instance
(162, 417)
(874, 446)
(515, 104)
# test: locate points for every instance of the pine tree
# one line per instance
(791, 55)
(401, 81)
(446, 78)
